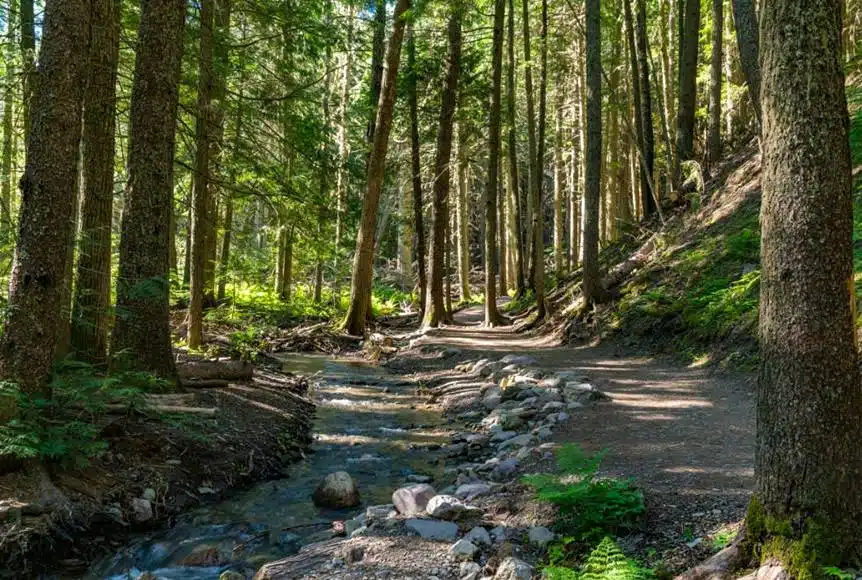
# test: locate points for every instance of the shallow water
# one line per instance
(369, 423)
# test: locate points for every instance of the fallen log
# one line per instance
(229, 370)
(207, 411)
(205, 383)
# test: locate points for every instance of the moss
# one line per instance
(804, 549)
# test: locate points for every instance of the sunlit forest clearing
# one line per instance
(490, 289)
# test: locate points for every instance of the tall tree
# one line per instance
(534, 172)
(559, 179)
(492, 315)
(689, 30)
(435, 309)
(648, 143)
(748, 40)
(416, 168)
(715, 70)
(343, 141)
(463, 213)
(520, 283)
(28, 58)
(538, 241)
(592, 182)
(142, 328)
(360, 291)
(808, 457)
(91, 302)
(8, 126)
(378, 52)
(34, 313)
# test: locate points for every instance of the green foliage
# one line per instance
(722, 539)
(248, 343)
(606, 562)
(590, 507)
(520, 303)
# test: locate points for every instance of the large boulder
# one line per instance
(513, 569)
(413, 499)
(445, 507)
(337, 490)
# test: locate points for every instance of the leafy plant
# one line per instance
(590, 507)
(606, 562)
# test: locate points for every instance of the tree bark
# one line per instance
(492, 315)
(592, 284)
(808, 458)
(501, 228)
(648, 145)
(343, 144)
(463, 216)
(520, 282)
(360, 291)
(34, 312)
(748, 40)
(28, 58)
(689, 30)
(416, 169)
(534, 177)
(559, 182)
(715, 70)
(378, 52)
(92, 300)
(6, 176)
(538, 243)
(435, 309)
(142, 327)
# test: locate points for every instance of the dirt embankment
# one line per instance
(154, 469)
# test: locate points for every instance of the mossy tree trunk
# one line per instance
(416, 169)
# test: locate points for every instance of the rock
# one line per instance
(433, 529)
(149, 494)
(490, 368)
(583, 392)
(544, 433)
(513, 569)
(337, 490)
(504, 469)
(471, 491)
(500, 436)
(562, 417)
(463, 549)
(142, 510)
(202, 558)
(469, 571)
(772, 570)
(231, 575)
(289, 542)
(378, 512)
(479, 365)
(519, 441)
(351, 526)
(540, 536)
(498, 534)
(552, 382)
(413, 499)
(358, 532)
(514, 359)
(510, 421)
(445, 507)
(479, 535)
(354, 554)
(492, 398)
(416, 478)
(552, 407)
(523, 453)
(456, 449)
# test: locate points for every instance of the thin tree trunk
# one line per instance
(559, 182)
(520, 283)
(343, 142)
(360, 292)
(534, 171)
(808, 459)
(748, 40)
(435, 308)
(92, 300)
(224, 259)
(634, 64)
(28, 58)
(648, 148)
(591, 283)
(287, 281)
(689, 29)
(324, 200)
(714, 138)
(463, 216)
(378, 52)
(6, 176)
(416, 169)
(492, 315)
(201, 191)
(142, 328)
(575, 191)
(667, 85)
(501, 230)
(538, 244)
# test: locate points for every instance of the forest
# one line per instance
(275, 271)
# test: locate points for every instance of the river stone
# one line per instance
(510, 421)
(498, 534)
(445, 507)
(142, 510)
(231, 575)
(470, 491)
(513, 569)
(552, 382)
(500, 436)
(553, 406)
(583, 392)
(504, 469)
(463, 549)
(337, 490)
(378, 512)
(492, 398)
(519, 441)
(413, 499)
(479, 535)
(540, 536)
(469, 571)
(514, 359)
(434, 529)
(351, 526)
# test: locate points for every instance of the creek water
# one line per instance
(368, 422)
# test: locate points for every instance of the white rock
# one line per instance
(337, 490)
(513, 569)
(413, 499)
(142, 510)
(469, 571)
(479, 535)
(540, 536)
(445, 507)
(463, 549)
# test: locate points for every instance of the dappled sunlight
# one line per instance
(649, 402)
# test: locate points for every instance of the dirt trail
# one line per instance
(686, 435)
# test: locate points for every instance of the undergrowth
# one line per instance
(606, 562)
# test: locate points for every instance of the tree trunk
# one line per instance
(434, 310)
(324, 200)
(689, 30)
(33, 316)
(808, 458)
(575, 190)
(501, 228)
(533, 173)
(343, 144)
(538, 243)
(520, 282)
(463, 217)
(748, 40)
(559, 182)
(714, 137)
(200, 191)
(667, 85)
(224, 259)
(592, 180)
(416, 169)
(360, 291)
(92, 301)
(378, 52)
(287, 273)
(634, 64)
(648, 145)
(28, 58)
(492, 315)
(142, 327)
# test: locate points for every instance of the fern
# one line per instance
(606, 562)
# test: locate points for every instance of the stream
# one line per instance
(369, 422)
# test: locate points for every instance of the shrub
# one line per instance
(606, 562)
